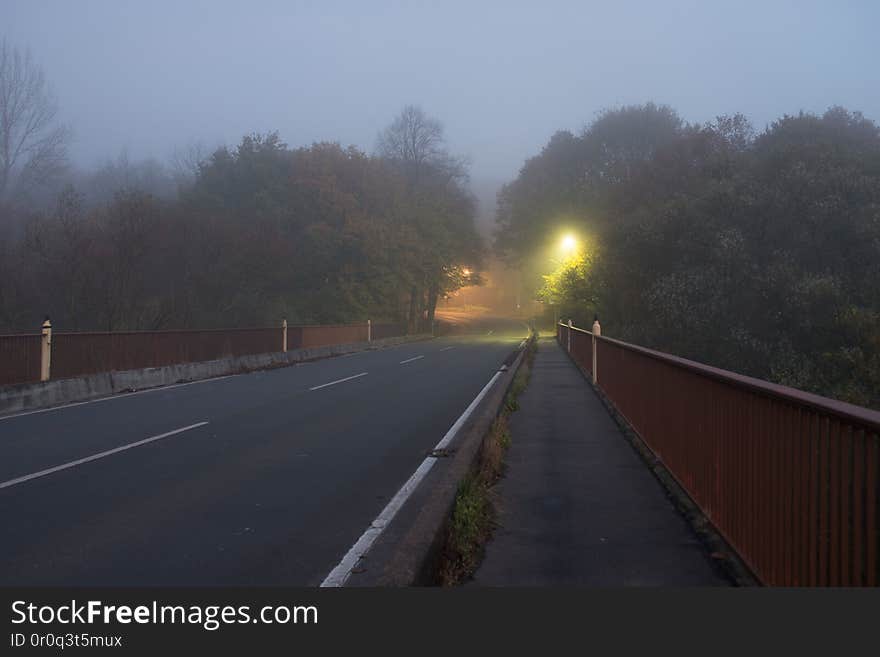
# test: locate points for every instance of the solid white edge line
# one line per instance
(117, 396)
(333, 383)
(99, 455)
(409, 360)
(340, 574)
(454, 429)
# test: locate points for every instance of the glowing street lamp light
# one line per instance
(569, 243)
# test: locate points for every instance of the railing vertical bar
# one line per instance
(721, 462)
(751, 464)
(771, 492)
(858, 514)
(834, 447)
(824, 495)
(740, 445)
(872, 493)
(762, 530)
(802, 491)
(815, 441)
(769, 423)
(792, 444)
(846, 525)
(770, 499)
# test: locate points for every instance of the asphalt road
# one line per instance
(274, 488)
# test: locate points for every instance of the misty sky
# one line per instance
(502, 76)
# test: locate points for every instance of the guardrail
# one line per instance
(19, 358)
(790, 479)
(38, 357)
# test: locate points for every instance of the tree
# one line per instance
(755, 253)
(442, 212)
(123, 175)
(415, 142)
(186, 162)
(32, 144)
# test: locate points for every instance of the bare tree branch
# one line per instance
(32, 146)
(413, 140)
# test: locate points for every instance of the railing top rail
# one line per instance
(168, 331)
(844, 410)
(575, 328)
(63, 332)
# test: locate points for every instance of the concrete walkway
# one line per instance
(577, 504)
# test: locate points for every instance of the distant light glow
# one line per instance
(569, 243)
(466, 271)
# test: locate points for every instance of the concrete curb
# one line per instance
(32, 396)
(408, 551)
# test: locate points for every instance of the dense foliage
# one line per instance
(319, 234)
(755, 253)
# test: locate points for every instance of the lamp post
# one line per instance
(467, 273)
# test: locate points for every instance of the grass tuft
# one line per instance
(474, 513)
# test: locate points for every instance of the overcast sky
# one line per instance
(150, 75)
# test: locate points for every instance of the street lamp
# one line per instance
(569, 243)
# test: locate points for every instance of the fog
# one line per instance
(149, 77)
(703, 176)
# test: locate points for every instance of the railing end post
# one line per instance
(284, 335)
(597, 331)
(46, 350)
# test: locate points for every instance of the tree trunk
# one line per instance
(433, 294)
(412, 318)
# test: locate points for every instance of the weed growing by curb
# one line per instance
(474, 513)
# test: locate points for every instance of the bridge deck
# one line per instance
(577, 504)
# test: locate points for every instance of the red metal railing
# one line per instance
(580, 345)
(318, 336)
(76, 354)
(791, 479)
(19, 358)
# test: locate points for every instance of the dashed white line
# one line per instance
(99, 455)
(333, 383)
(447, 348)
(409, 360)
(340, 574)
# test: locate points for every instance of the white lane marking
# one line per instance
(454, 429)
(119, 396)
(161, 388)
(99, 455)
(340, 574)
(333, 383)
(447, 348)
(409, 360)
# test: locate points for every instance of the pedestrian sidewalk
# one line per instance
(577, 504)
